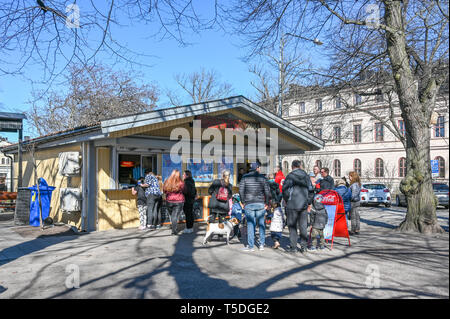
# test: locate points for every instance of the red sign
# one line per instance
(223, 123)
(126, 164)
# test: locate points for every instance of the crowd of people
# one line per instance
(284, 200)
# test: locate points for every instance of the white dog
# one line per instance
(214, 229)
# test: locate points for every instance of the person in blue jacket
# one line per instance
(346, 194)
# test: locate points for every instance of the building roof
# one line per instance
(239, 103)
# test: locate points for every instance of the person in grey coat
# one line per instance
(319, 219)
(355, 187)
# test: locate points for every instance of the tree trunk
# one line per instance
(417, 185)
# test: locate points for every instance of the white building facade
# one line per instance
(358, 140)
(5, 166)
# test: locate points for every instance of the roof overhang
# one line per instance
(290, 136)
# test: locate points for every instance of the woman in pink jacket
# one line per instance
(173, 189)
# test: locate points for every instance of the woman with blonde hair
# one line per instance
(173, 189)
(221, 192)
(355, 187)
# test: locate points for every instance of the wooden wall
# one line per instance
(47, 167)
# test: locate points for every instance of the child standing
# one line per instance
(236, 212)
(141, 203)
(277, 224)
(319, 219)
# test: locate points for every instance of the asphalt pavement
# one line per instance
(380, 263)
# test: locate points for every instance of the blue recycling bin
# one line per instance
(46, 198)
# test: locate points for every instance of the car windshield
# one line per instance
(374, 186)
(440, 187)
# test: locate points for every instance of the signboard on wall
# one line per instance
(201, 171)
(169, 164)
(434, 168)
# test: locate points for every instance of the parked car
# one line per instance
(375, 193)
(439, 189)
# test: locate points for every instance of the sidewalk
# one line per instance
(381, 263)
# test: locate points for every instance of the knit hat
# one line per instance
(340, 182)
(254, 166)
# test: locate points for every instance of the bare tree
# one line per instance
(94, 93)
(55, 34)
(201, 86)
(399, 47)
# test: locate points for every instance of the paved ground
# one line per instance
(381, 263)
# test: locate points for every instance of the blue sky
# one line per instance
(211, 49)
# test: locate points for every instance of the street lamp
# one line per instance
(280, 67)
(280, 75)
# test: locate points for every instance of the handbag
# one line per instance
(222, 194)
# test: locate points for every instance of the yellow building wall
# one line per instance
(47, 162)
(116, 208)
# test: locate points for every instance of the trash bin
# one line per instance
(46, 198)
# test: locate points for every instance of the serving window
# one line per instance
(132, 167)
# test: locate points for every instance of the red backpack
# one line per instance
(222, 194)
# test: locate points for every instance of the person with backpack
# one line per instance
(298, 193)
(221, 192)
(190, 193)
(141, 203)
(319, 219)
(355, 187)
(254, 192)
(174, 190)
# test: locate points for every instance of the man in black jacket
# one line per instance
(190, 193)
(254, 192)
(298, 193)
(326, 182)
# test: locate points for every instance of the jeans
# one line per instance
(297, 218)
(354, 217)
(174, 210)
(254, 214)
(153, 209)
(188, 209)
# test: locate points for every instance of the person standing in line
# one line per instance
(319, 219)
(277, 224)
(345, 193)
(173, 189)
(355, 187)
(298, 193)
(326, 181)
(190, 193)
(254, 192)
(158, 220)
(279, 177)
(141, 203)
(221, 192)
(153, 193)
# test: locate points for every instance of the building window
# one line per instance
(357, 166)
(379, 97)
(3, 161)
(285, 111)
(302, 108)
(439, 128)
(402, 167)
(338, 102)
(337, 135)
(358, 99)
(379, 168)
(319, 104)
(318, 133)
(337, 168)
(379, 132)
(357, 133)
(319, 163)
(402, 127)
(441, 162)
